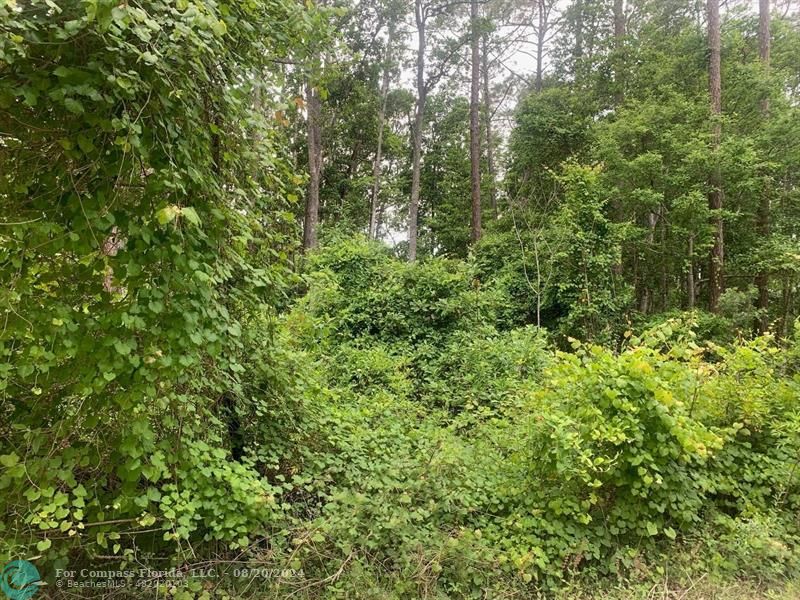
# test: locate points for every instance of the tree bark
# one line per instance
(619, 35)
(577, 51)
(313, 108)
(717, 257)
(690, 285)
(763, 220)
(786, 318)
(645, 292)
(619, 21)
(487, 109)
(416, 134)
(377, 166)
(474, 126)
(541, 33)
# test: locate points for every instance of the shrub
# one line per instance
(394, 489)
(369, 370)
(758, 466)
(484, 367)
(148, 230)
(758, 545)
(367, 294)
(612, 458)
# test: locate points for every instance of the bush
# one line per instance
(759, 545)
(484, 367)
(148, 230)
(758, 466)
(367, 294)
(612, 458)
(394, 491)
(369, 370)
(452, 457)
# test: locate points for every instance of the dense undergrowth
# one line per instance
(400, 441)
(454, 457)
(173, 394)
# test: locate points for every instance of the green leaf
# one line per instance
(147, 520)
(167, 214)
(85, 144)
(44, 544)
(9, 460)
(31, 96)
(190, 215)
(73, 106)
(219, 28)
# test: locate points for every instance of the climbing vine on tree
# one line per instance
(145, 227)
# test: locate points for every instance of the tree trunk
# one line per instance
(313, 108)
(786, 318)
(619, 22)
(416, 134)
(717, 258)
(376, 167)
(487, 109)
(664, 273)
(577, 51)
(475, 126)
(645, 293)
(763, 221)
(619, 35)
(541, 33)
(690, 287)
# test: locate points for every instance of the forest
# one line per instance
(390, 299)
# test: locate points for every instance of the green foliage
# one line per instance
(484, 367)
(757, 547)
(757, 467)
(506, 256)
(623, 458)
(370, 370)
(561, 271)
(551, 127)
(367, 295)
(445, 177)
(587, 285)
(143, 231)
(638, 106)
(176, 385)
(465, 459)
(394, 482)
